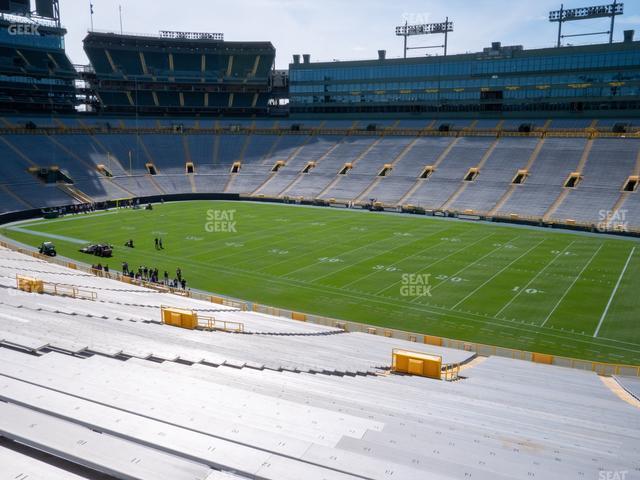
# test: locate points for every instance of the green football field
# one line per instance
(556, 292)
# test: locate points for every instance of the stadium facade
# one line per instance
(595, 79)
(119, 376)
(35, 73)
(179, 73)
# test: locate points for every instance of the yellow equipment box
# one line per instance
(177, 317)
(416, 363)
(29, 284)
(301, 317)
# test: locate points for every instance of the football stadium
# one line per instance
(218, 263)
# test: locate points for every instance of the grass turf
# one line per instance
(551, 292)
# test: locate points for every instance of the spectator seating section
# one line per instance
(106, 387)
(115, 165)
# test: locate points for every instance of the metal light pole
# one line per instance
(586, 13)
(407, 31)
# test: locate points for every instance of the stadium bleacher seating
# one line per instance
(105, 386)
(175, 74)
(35, 73)
(274, 162)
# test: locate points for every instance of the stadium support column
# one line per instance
(446, 36)
(613, 21)
(560, 26)
(405, 41)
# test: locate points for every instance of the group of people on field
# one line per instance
(152, 275)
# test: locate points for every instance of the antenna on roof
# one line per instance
(91, 13)
(120, 12)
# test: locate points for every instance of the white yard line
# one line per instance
(476, 262)
(523, 289)
(497, 274)
(613, 294)
(69, 218)
(440, 260)
(77, 241)
(575, 280)
(348, 252)
(378, 254)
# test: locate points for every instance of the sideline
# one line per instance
(613, 294)
(76, 241)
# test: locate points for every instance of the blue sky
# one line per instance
(342, 29)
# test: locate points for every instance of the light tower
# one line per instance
(407, 31)
(586, 13)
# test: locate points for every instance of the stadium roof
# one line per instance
(96, 38)
(500, 52)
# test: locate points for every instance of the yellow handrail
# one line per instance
(211, 323)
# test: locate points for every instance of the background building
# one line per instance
(179, 73)
(500, 79)
(35, 73)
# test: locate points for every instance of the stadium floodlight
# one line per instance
(407, 31)
(586, 13)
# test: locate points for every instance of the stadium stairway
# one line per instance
(509, 156)
(627, 389)
(328, 190)
(355, 425)
(419, 182)
(615, 216)
(123, 389)
(18, 201)
(301, 176)
(446, 178)
(288, 161)
(376, 182)
(509, 193)
(272, 166)
(75, 193)
(129, 310)
(558, 158)
(464, 184)
(566, 191)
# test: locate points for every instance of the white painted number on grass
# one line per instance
(400, 234)
(508, 246)
(234, 244)
(452, 240)
(566, 254)
(330, 260)
(528, 291)
(385, 268)
(444, 278)
(277, 251)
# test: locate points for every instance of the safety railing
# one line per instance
(601, 368)
(451, 372)
(35, 285)
(245, 130)
(228, 302)
(213, 324)
(69, 291)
